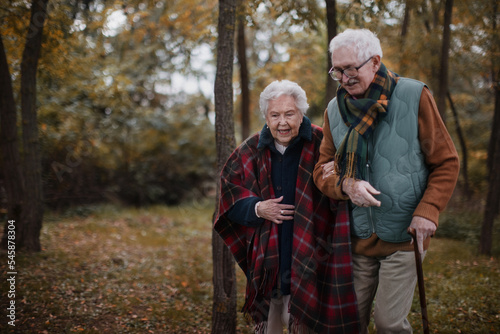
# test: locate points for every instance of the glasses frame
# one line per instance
(342, 72)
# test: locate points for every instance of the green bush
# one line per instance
(135, 158)
(465, 225)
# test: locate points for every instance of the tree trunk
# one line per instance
(406, 19)
(404, 31)
(495, 76)
(430, 11)
(492, 145)
(331, 23)
(445, 47)
(245, 90)
(463, 147)
(9, 145)
(224, 279)
(493, 198)
(33, 201)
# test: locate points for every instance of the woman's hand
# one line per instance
(272, 210)
(328, 169)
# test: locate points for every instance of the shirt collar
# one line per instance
(305, 132)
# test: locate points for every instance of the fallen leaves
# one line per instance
(157, 278)
(125, 274)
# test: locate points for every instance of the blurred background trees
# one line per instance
(111, 124)
(125, 89)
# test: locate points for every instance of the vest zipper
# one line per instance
(370, 212)
(368, 155)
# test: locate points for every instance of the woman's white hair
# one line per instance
(364, 43)
(284, 87)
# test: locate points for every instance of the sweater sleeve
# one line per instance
(327, 152)
(243, 212)
(441, 158)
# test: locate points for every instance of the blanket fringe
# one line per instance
(248, 302)
(264, 289)
(261, 328)
(267, 282)
(294, 327)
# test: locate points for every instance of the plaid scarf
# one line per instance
(322, 293)
(362, 116)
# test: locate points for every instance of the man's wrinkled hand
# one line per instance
(424, 228)
(360, 192)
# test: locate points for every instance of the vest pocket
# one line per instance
(417, 186)
(361, 224)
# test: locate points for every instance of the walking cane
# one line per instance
(420, 276)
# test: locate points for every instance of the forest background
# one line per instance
(124, 97)
(124, 93)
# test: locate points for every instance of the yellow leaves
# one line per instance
(55, 34)
(8, 32)
(479, 154)
(190, 18)
(139, 35)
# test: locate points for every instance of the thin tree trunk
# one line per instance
(493, 197)
(495, 133)
(404, 31)
(463, 147)
(9, 145)
(445, 48)
(245, 90)
(331, 23)
(406, 19)
(224, 276)
(430, 11)
(491, 209)
(495, 76)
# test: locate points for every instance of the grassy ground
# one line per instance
(113, 270)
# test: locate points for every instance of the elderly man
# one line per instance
(294, 250)
(395, 161)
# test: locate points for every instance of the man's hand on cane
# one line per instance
(424, 228)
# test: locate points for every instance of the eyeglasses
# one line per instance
(350, 72)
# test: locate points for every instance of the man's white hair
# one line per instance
(364, 43)
(284, 87)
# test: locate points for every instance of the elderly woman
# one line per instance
(291, 241)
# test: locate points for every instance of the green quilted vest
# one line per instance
(395, 165)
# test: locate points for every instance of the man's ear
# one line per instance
(376, 63)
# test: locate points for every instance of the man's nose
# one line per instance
(346, 77)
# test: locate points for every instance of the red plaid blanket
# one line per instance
(322, 293)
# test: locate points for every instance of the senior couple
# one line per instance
(317, 219)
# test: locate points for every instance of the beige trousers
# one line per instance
(278, 315)
(391, 281)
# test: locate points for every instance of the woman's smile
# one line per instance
(283, 119)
